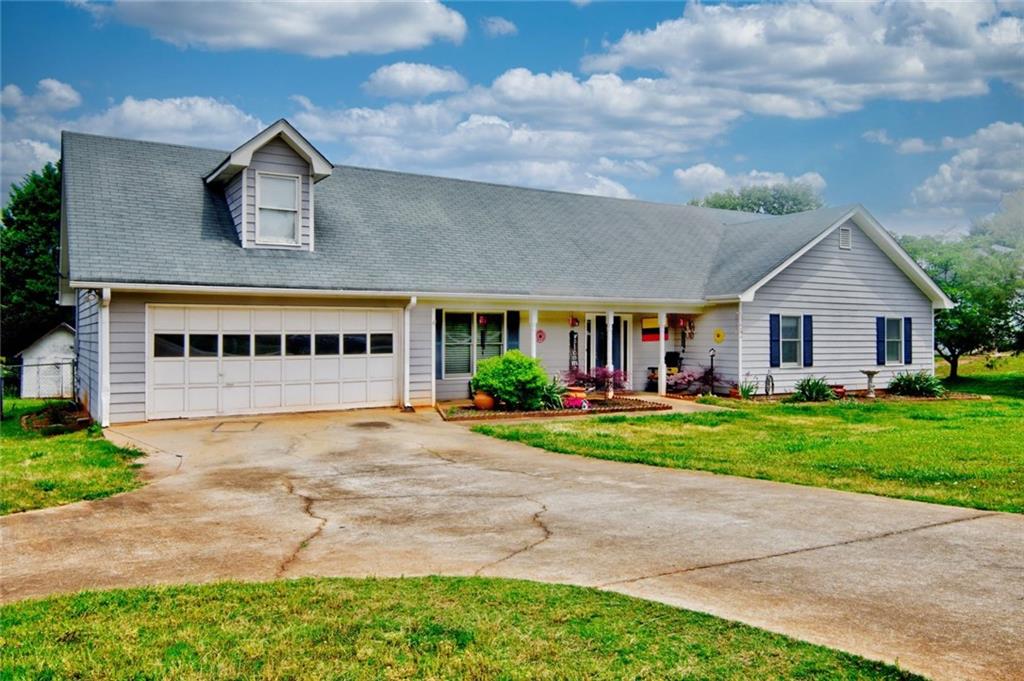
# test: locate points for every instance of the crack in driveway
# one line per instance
(781, 554)
(307, 508)
(536, 519)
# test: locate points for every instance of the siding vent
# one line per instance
(845, 238)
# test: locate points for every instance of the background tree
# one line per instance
(29, 244)
(984, 274)
(777, 199)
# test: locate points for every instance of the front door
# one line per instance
(597, 341)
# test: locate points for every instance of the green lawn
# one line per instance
(959, 452)
(988, 376)
(437, 628)
(37, 471)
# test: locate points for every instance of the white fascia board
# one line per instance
(575, 303)
(242, 156)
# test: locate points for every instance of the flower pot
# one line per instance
(839, 390)
(483, 401)
(734, 393)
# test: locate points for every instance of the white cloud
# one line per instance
(413, 80)
(987, 164)
(316, 29)
(880, 136)
(913, 145)
(50, 95)
(807, 60)
(497, 27)
(705, 178)
(625, 168)
(20, 157)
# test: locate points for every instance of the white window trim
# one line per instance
(899, 360)
(297, 241)
(799, 341)
(474, 338)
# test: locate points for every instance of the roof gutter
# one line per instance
(667, 303)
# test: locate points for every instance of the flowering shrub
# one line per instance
(598, 379)
(680, 381)
(573, 402)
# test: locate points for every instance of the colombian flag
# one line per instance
(649, 330)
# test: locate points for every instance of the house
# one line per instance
(266, 279)
(47, 364)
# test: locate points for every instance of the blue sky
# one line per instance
(912, 109)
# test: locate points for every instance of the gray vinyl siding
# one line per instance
(235, 194)
(87, 343)
(844, 290)
(421, 354)
(277, 157)
(724, 317)
(127, 359)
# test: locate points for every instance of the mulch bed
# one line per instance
(598, 406)
(65, 418)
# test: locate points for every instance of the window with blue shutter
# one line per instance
(908, 353)
(438, 342)
(774, 338)
(808, 341)
(512, 324)
(880, 341)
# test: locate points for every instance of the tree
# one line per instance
(29, 244)
(983, 273)
(777, 199)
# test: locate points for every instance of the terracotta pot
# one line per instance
(734, 393)
(839, 390)
(483, 402)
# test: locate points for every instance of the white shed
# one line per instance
(46, 365)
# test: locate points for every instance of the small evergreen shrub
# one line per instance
(920, 384)
(812, 389)
(513, 379)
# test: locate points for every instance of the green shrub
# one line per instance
(812, 389)
(552, 394)
(513, 379)
(920, 384)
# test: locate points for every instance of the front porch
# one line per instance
(584, 342)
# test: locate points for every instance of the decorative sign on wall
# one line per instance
(541, 336)
(649, 330)
(719, 335)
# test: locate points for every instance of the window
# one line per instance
(327, 343)
(458, 343)
(202, 345)
(471, 337)
(789, 338)
(297, 344)
(268, 345)
(381, 344)
(894, 341)
(488, 335)
(235, 344)
(354, 344)
(277, 212)
(169, 345)
(845, 238)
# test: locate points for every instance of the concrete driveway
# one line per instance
(938, 589)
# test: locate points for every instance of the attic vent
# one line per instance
(845, 237)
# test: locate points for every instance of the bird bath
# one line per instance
(871, 373)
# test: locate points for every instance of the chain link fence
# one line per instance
(39, 380)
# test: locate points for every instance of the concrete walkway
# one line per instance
(938, 589)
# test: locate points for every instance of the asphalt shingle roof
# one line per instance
(140, 212)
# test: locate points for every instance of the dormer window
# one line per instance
(277, 209)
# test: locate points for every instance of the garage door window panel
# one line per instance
(327, 344)
(355, 344)
(169, 345)
(268, 345)
(202, 345)
(236, 345)
(382, 344)
(297, 344)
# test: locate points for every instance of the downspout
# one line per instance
(406, 333)
(104, 357)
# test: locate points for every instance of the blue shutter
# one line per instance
(512, 326)
(908, 341)
(774, 338)
(880, 341)
(808, 341)
(438, 341)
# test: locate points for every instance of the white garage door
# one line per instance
(204, 361)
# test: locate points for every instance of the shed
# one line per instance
(47, 365)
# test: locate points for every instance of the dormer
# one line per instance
(268, 183)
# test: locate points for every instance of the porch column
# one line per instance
(662, 367)
(533, 333)
(609, 335)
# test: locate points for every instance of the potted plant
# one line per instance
(482, 401)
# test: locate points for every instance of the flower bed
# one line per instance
(597, 406)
